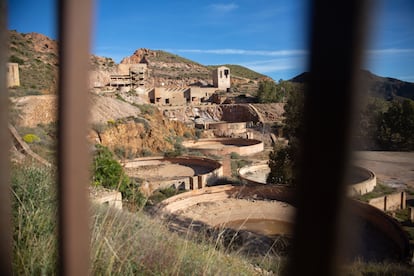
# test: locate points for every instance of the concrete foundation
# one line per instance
(105, 196)
(189, 173)
(376, 236)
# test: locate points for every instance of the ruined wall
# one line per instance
(113, 199)
(227, 129)
(13, 78)
(196, 95)
(165, 96)
(238, 113)
(249, 174)
(396, 201)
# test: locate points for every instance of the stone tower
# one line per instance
(221, 78)
(13, 78)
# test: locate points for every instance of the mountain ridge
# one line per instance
(387, 88)
(37, 57)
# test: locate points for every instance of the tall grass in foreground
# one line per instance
(34, 219)
(124, 243)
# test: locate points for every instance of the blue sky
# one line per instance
(267, 36)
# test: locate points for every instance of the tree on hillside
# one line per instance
(283, 161)
(366, 132)
(270, 92)
(396, 126)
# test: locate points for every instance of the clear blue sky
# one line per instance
(265, 35)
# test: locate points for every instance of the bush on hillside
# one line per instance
(108, 173)
(31, 138)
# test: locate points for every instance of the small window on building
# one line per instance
(167, 101)
(226, 73)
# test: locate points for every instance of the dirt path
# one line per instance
(395, 169)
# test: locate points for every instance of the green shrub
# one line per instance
(31, 138)
(237, 164)
(144, 122)
(234, 155)
(14, 59)
(108, 173)
(146, 109)
(146, 152)
(187, 134)
(198, 133)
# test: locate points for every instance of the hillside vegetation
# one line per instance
(122, 243)
(36, 55)
(241, 71)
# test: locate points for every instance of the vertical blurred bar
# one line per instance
(73, 152)
(336, 50)
(5, 202)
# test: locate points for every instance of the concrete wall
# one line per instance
(239, 113)
(196, 95)
(223, 192)
(215, 171)
(112, 198)
(165, 96)
(223, 146)
(366, 182)
(227, 129)
(396, 201)
(246, 174)
(13, 77)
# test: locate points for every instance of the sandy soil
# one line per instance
(219, 212)
(395, 169)
(165, 170)
(42, 109)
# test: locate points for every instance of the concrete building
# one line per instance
(131, 76)
(221, 78)
(167, 96)
(197, 95)
(13, 78)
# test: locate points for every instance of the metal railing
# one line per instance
(336, 40)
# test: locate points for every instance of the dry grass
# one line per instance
(122, 243)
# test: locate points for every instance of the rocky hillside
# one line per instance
(173, 70)
(36, 55)
(376, 86)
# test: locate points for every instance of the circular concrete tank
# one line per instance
(268, 211)
(181, 172)
(362, 180)
(222, 146)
